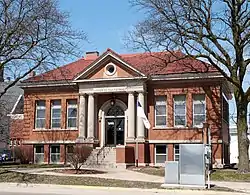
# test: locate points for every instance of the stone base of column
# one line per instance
(80, 140)
(90, 140)
(130, 140)
(140, 139)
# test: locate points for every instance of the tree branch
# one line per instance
(21, 77)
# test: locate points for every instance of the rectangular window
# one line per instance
(56, 114)
(179, 110)
(160, 111)
(161, 153)
(71, 114)
(199, 110)
(40, 114)
(54, 154)
(176, 152)
(39, 154)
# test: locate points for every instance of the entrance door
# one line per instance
(115, 126)
(115, 131)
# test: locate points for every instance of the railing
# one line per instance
(101, 154)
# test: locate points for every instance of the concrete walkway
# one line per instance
(121, 174)
(124, 174)
(46, 189)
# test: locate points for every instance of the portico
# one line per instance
(108, 109)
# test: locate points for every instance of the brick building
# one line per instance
(93, 101)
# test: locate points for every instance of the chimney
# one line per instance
(91, 55)
(32, 74)
(1, 74)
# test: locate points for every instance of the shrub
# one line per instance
(78, 155)
(24, 154)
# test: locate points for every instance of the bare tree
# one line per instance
(35, 34)
(215, 31)
(78, 155)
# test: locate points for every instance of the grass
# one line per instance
(33, 166)
(217, 175)
(16, 177)
(8, 176)
(229, 175)
(158, 171)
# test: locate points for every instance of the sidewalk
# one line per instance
(121, 174)
(45, 189)
(238, 186)
(124, 174)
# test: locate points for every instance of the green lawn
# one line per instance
(159, 171)
(229, 175)
(7, 176)
(14, 177)
(33, 166)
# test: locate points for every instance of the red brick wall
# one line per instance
(46, 153)
(213, 110)
(16, 129)
(48, 95)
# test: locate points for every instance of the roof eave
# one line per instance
(46, 84)
(186, 76)
(110, 79)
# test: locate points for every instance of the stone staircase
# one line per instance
(104, 157)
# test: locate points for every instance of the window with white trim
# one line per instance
(54, 153)
(161, 153)
(179, 110)
(160, 111)
(71, 114)
(199, 110)
(40, 114)
(39, 154)
(176, 152)
(55, 114)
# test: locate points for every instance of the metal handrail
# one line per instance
(101, 151)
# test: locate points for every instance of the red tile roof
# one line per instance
(154, 63)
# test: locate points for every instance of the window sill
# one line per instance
(175, 128)
(55, 129)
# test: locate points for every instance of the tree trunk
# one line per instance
(242, 129)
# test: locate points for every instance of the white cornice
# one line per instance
(185, 76)
(46, 84)
(16, 116)
(109, 79)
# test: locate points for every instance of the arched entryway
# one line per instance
(115, 126)
(113, 123)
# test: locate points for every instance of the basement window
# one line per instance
(161, 154)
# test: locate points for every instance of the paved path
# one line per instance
(121, 174)
(46, 189)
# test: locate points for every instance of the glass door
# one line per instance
(110, 131)
(119, 124)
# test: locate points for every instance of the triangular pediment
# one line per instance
(108, 65)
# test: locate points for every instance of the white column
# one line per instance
(140, 126)
(91, 116)
(131, 117)
(103, 129)
(82, 117)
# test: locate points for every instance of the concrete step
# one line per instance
(106, 158)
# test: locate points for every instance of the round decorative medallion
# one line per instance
(110, 69)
